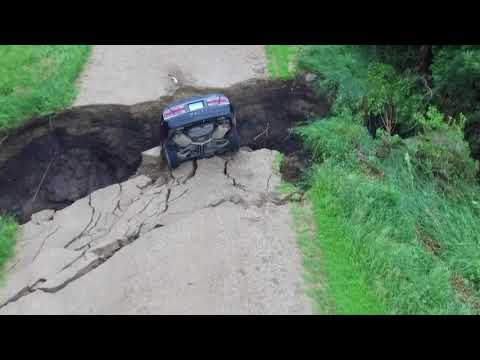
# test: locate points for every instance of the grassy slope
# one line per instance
(34, 80)
(348, 284)
(335, 282)
(37, 79)
(393, 243)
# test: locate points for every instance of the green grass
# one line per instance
(8, 230)
(34, 80)
(313, 258)
(281, 61)
(304, 227)
(38, 79)
(348, 286)
(392, 240)
(327, 257)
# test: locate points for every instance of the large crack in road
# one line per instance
(101, 145)
(213, 237)
(150, 241)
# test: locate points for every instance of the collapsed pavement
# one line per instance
(212, 237)
(52, 161)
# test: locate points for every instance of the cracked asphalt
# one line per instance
(213, 237)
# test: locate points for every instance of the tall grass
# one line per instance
(37, 79)
(394, 240)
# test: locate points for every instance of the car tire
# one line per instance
(234, 140)
(170, 156)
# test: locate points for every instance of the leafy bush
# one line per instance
(432, 120)
(355, 80)
(392, 97)
(444, 156)
(338, 137)
(343, 71)
(401, 57)
(456, 78)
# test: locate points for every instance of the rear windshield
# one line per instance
(196, 106)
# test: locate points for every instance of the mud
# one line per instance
(55, 160)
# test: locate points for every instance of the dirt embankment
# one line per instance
(54, 160)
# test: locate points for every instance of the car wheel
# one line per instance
(170, 156)
(234, 140)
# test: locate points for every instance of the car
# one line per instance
(199, 127)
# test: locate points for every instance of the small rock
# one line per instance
(43, 216)
(236, 199)
(153, 156)
(142, 181)
(310, 77)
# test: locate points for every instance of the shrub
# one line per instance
(338, 137)
(456, 78)
(443, 155)
(343, 71)
(392, 97)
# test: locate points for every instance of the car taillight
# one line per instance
(218, 101)
(174, 111)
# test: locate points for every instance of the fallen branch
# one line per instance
(264, 132)
(5, 138)
(43, 179)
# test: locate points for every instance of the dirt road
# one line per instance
(128, 74)
(213, 237)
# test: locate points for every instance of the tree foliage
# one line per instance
(456, 78)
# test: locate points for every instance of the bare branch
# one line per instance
(429, 89)
(264, 132)
(43, 179)
(5, 138)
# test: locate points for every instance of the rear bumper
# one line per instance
(206, 149)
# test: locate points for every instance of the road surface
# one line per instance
(213, 237)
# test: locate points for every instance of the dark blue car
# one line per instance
(199, 127)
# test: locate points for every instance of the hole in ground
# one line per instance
(52, 161)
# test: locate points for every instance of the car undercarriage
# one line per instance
(204, 132)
